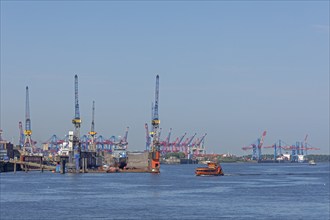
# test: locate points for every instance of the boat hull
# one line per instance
(211, 170)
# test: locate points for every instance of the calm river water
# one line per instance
(247, 191)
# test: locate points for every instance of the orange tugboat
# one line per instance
(212, 169)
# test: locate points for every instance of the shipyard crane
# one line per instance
(52, 142)
(100, 143)
(123, 141)
(277, 148)
(52, 145)
(177, 145)
(260, 143)
(191, 139)
(256, 147)
(307, 146)
(148, 139)
(186, 144)
(92, 133)
(159, 133)
(155, 145)
(197, 148)
(27, 148)
(84, 142)
(304, 145)
(174, 149)
(166, 143)
(76, 121)
(21, 134)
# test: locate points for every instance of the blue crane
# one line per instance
(148, 138)
(27, 149)
(76, 134)
(155, 145)
(93, 133)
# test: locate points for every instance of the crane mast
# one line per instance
(261, 142)
(155, 120)
(76, 121)
(179, 143)
(27, 148)
(200, 149)
(155, 145)
(200, 141)
(147, 137)
(188, 146)
(123, 142)
(92, 133)
(21, 134)
(167, 141)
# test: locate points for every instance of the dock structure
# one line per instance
(26, 166)
(82, 155)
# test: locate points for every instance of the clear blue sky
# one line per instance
(230, 69)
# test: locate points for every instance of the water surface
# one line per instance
(247, 191)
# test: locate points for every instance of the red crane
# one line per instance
(166, 144)
(186, 144)
(198, 149)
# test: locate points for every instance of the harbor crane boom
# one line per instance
(74, 154)
(21, 134)
(148, 139)
(93, 133)
(200, 141)
(76, 121)
(155, 145)
(27, 132)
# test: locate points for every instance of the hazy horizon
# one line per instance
(228, 69)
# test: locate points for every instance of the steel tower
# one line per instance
(21, 134)
(93, 133)
(76, 121)
(147, 137)
(155, 145)
(74, 155)
(155, 120)
(27, 147)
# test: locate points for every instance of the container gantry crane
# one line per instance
(256, 147)
(260, 143)
(176, 145)
(198, 149)
(186, 145)
(27, 148)
(166, 144)
(154, 155)
(304, 144)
